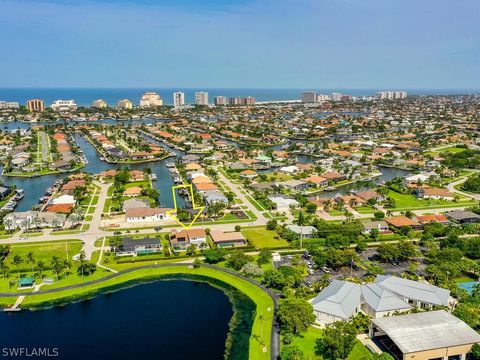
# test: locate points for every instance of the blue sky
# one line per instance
(240, 43)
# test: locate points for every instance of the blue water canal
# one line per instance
(36, 187)
(160, 320)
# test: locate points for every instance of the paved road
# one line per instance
(237, 190)
(451, 188)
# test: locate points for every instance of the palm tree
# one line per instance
(55, 262)
(66, 266)
(41, 268)
(31, 259)
(17, 260)
(8, 224)
(300, 222)
(4, 269)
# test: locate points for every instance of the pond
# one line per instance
(174, 319)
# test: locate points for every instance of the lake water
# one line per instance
(160, 320)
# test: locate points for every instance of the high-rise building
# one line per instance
(151, 99)
(309, 97)
(220, 100)
(35, 105)
(336, 96)
(178, 99)
(249, 100)
(235, 101)
(322, 97)
(64, 105)
(124, 104)
(201, 98)
(99, 104)
(9, 105)
(391, 95)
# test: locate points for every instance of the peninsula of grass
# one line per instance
(260, 337)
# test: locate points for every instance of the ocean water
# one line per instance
(85, 96)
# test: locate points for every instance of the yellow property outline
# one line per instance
(172, 212)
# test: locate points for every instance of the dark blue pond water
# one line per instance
(162, 320)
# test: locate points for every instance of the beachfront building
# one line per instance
(424, 335)
(201, 98)
(64, 105)
(37, 105)
(9, 105)
(178, 99)
(99, 104)
(125, 104)
(220, 100)
(309, 97)
(151, 99)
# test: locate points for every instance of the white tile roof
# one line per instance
(427, 331)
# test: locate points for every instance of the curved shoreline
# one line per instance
(264, 339)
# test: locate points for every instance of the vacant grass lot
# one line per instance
(42, 252)
(306, 343)
(408, 201)
(262, 238)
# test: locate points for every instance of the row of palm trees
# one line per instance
(56, 264)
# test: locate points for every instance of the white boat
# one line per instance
(153, 177)
(170, 164)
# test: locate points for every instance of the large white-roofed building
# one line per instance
(424, 336)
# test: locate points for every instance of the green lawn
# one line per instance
(42, 252)
(408, 201)
(306, 343)
(261, 237)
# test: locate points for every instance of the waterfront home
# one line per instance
(381, 226)
(463, 216)
(134, 247)
(433, 193)
(293, 184)
(143, 214)
(317, 181)
(283, 203)
(333, 176)
(190, 158)
(248, 174)
(64, 199)
(205, 186)
(19, 161)
(137, 175)
(292, 169)
(227, 239)
(4, 191)
(60, 208)
(370, 195)
(182, 239)
(33, 219)
(134, 203)
(214, 196)
(132, 191)
(193, 167)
